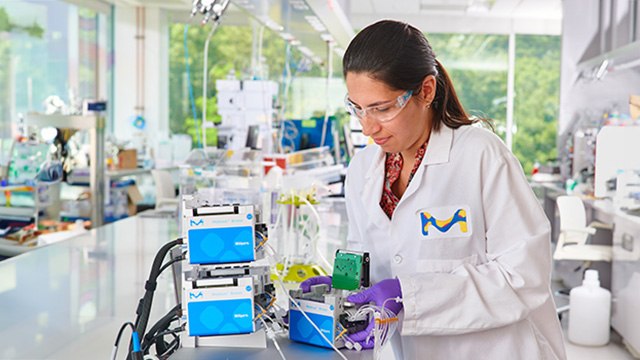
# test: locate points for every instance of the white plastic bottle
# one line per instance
(589, 312)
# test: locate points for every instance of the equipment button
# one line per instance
(397, 258)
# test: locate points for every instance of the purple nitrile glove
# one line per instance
(361, 337)
(366, 342)
(378, 294)
(307, 284)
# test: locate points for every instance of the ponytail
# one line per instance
(447, 106)
(399, 55)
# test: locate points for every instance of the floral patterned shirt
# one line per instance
(392, 167)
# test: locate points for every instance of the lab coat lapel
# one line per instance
(438, 150)
(372, 189)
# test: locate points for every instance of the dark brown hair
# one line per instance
(399, 55)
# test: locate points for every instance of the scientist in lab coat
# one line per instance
(445, 211)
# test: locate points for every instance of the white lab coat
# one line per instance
(477, 293)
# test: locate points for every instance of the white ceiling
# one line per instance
(454, 16)
(339, 18)
(446, 16)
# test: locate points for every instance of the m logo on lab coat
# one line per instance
(445, 222)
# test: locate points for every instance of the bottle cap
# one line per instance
(591, 278)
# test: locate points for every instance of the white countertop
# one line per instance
(68, 300)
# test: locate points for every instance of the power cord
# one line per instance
(160, 329)
(114, 352)
(165, 266)
(144, 305)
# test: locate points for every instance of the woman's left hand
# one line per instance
(388, 289)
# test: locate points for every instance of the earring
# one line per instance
(428, 105)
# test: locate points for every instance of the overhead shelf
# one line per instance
(625, 57)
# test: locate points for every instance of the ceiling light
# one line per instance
(287, 36)
(299, 5)
(327, 37)
(306, 51)
(480, 6)
(315, 23)
(270, 23)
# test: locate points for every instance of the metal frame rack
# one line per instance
(95, 124)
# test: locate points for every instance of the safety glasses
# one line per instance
(381, 112)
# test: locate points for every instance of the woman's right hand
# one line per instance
(316, 280)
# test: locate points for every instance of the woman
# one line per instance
(445, 211)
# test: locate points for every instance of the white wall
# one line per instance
(124, 69)
(581, 40)
(156, 70)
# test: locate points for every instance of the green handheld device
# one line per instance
(350, 270)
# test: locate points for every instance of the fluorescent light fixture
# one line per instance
(270, 23)
(327, 37)
(431, 8)
(306, 51)
(627, 65)
(602, 70)
(480, 6)
(248, 6)
(244, 3)
(299, 5)
(287, 36)
(315, 23)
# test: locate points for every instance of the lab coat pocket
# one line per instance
(445, 266)
(445, 222)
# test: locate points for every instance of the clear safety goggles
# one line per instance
(381, 112)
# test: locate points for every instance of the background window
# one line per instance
(478, 67)
(51, 48)
(230, 55)
(537, 101)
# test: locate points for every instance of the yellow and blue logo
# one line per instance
(444, 226)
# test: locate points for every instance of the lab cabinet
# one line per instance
(625, 282)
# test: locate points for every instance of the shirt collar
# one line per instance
(439, 146)
(378, 163)
(438, 150)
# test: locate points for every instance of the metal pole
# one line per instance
(633, 19)
(205, 76)
(511, 88)
(97, 173)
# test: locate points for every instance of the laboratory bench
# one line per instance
(622, 274)
(68, 300)
(601, 210)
